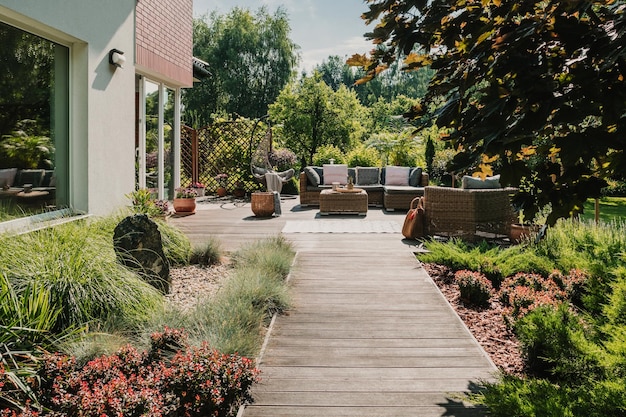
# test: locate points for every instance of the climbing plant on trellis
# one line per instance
(221, 148)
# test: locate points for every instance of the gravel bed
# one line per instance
(193, 283)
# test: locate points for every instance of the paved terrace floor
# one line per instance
(369, 333)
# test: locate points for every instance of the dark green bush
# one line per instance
(474, 287)
(555, 345)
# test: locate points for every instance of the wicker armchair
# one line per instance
(468, 213)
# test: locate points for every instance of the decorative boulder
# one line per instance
(137, 243)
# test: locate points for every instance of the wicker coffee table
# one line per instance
(336, 202)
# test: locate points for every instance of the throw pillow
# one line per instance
(367, 175)
(415, 177)
(475, 183)
(335, 173)
(397, 175)
(312, 176)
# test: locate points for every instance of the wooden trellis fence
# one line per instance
(220, 148)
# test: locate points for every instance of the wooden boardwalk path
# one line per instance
(369, 333)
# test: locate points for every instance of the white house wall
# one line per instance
(102, 99)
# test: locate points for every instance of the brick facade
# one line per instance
(164, 39)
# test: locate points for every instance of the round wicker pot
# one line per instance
(221, 191)
(520, 232)
(262, 204)
(185, 205)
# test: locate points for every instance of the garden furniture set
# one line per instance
(391, 187)
(481, 208)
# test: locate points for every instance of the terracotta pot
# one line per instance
(185, 205)
(221, 191)
(520, 232)
(239, 192)
(262, 204)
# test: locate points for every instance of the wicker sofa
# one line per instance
(468, 213)
(373, 180)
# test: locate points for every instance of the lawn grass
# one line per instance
(611, 209)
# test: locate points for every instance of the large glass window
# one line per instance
(34, 124)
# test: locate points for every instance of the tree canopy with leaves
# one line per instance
(312, 115)
(535, 89)
(251, 58)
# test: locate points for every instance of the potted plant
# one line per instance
(185, 200)
(239, 191)
(199, 187)
(221, 181)
(143, 202)
(523, 229)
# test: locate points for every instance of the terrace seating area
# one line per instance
(391, 187)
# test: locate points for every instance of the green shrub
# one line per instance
(513, 396)
(327, 152)
(555, 345)
(474, 287)
(362, 156)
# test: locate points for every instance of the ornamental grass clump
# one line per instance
(208, 254)
(76, 263)
(474, 287)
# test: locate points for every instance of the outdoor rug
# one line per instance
(341, 226)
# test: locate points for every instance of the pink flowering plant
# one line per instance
(221, 179)
(171, 379)
(186, 192)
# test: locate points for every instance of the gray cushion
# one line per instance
(367, 175)
(7, 177)
(415, 177)
(476, 183)
(403, 189)
(312, 176)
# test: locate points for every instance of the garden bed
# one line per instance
(486, 324)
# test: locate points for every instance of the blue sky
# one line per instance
(320, 27)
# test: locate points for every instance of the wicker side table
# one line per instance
(334, 202)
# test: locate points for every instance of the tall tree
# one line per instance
(312, 115)
(250, 57)
(536, 86)
(394, 82)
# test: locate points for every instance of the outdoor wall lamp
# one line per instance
(116, 58)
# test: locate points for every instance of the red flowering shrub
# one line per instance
(523, 292)
(474, 287)
(194, 381)
(572, 283)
